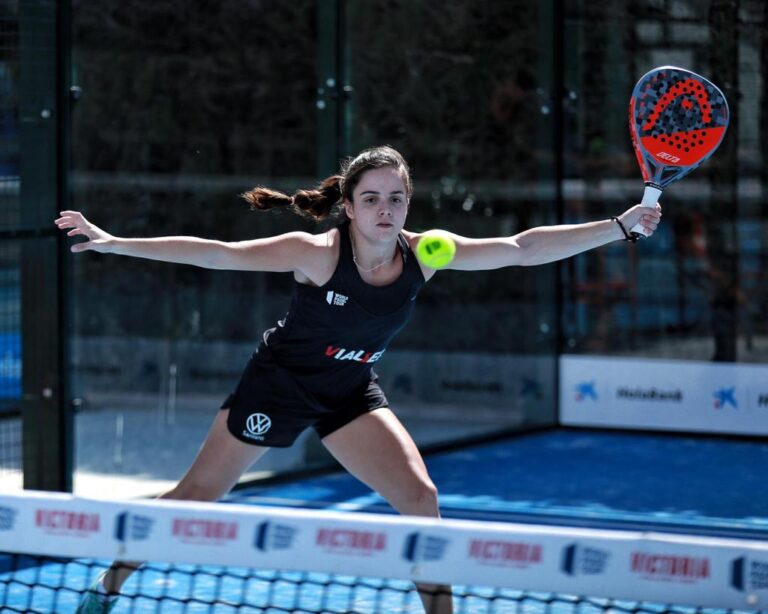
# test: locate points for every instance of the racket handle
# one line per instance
(650, 198)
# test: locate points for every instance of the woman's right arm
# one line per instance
(283, 253)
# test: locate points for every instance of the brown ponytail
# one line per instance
(326, 199)
(317, 204)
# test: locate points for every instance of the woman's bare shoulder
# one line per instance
(321, 258)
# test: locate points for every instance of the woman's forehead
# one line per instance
(386, 179)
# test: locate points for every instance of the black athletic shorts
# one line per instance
(271, 408)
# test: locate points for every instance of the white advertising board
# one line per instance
(664, 395)
(655, 567)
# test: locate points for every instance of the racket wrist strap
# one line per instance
(632, 238)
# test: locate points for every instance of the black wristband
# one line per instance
(632, 238)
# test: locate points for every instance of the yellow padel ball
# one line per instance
(436, 249)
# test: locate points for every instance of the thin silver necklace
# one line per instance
(357, 264)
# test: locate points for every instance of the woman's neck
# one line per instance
(369, 258)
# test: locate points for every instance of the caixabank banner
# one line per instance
(664, 395)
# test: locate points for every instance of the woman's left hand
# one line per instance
(649, 218)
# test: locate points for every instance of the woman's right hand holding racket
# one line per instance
(642, 219)
(98, 240)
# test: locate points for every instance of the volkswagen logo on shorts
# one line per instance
(258, 424)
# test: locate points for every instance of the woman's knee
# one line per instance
(421, 499)
(187, 490)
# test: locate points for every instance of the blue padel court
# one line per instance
(578, 478)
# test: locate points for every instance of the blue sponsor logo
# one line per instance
(272, 536)
(531, 389)
(422, 547)
(132, 527)
(725, 397)
(586, 390)
(10, 359)
(579, 560)
(7, 518)
(749, 574)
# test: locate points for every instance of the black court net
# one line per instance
(223, 558)
(34, 584)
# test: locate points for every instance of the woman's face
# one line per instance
(380, 204)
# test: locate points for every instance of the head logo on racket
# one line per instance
(677, 120)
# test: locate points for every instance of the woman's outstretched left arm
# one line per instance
(548, 243)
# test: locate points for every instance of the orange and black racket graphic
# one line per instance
(677, 119)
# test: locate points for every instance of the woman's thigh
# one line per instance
(376, 449)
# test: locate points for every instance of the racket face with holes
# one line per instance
(677, 119)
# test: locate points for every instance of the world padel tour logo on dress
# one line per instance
(684, 569)
(423, 547)
(748, 574)
(256, 426)
(204, 531)
(7, 518)
(351, 541)
(68, 523)
(334, 298)
(273, 536)
(580, 560)
(504, 553)
(133, 527)
(586, 390)
(356, 355)
(725, 397)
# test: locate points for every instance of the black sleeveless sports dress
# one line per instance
(315, 368)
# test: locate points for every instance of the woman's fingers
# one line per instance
(73, 214)
(73, 218)
(81, 247)
(78, 225)
(650, 222)
(67, 222)
(75, 222)
(78, 230)
(649, 217)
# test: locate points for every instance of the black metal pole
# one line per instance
(558, 57)
(63, 198)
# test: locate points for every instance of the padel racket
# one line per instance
(677, 119)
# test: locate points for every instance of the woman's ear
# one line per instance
(349, 208)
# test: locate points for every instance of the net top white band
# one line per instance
(652, 567)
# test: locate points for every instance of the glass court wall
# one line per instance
(669, 334)
(33, 428)
(471, 106)
(697, 291)
(512, 115)
(10, 355)
(184, 106)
